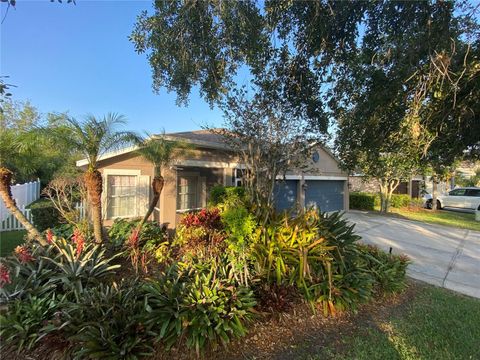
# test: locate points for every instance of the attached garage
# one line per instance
(326, 195)
(285, 194)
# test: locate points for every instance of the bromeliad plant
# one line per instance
(107, 322)
(79, 264)
(30, 319)
(318, 254)
(201, 305)
(28, 273)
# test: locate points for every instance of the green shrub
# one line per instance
(400, 200)
(319, 254)
(388, 270)
(44, 214)
(220, 194)
(107, 322)
(200, 233)
(121, 230)
(202, 308)
(362, 201)
(63, 230)
(240, 226)
(370, 201)
(28, 320)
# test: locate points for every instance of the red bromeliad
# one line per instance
(133, 239)
(49, 236)
(23, 254)
(4, 276)
(79, 241)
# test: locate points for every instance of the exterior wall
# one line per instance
(358, 183)
(326, 165)
(209, 177)
(121, 165)
(213, 166)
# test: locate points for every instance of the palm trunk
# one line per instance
(6, 194)
(93, 180)
(157, 187)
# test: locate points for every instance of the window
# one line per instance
(457, 192)
(473, 192)
(121, 192)
(187, 192)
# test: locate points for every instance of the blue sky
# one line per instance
(77, 58)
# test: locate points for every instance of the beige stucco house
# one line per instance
(127, 177)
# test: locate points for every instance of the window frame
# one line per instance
(196, 194)
(107, 197)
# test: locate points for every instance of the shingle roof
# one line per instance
(201, 137)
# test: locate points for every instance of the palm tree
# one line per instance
(94, 137)
(159, 151)
(15, 145)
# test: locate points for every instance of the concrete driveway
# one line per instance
(442, 256)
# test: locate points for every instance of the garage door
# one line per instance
(285, 194)
(326, 195)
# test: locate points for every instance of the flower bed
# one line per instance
(199, 290)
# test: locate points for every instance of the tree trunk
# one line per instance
(157, 187)
(93, 180)
(383, 196)
(387, 187)
(6, 194)
(434, 192)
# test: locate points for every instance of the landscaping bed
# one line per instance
(411, 325)
(229, 269)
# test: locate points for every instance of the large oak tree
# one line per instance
(356, 64)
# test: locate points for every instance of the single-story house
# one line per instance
(188, 180)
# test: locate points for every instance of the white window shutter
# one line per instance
(143, 194)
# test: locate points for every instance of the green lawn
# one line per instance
(442, 217)
(436, 324)
(9, 240)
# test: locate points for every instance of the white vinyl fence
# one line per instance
(11, 223)
(24, 195)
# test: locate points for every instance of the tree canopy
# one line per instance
(345, 62)
(34, 145)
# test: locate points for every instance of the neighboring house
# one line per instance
(357, 182)
(127, 177)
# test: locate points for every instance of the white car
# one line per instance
(467, 198)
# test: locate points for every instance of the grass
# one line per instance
(9, 240)
(442, 217)
(435, 324)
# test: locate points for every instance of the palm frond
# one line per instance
(94, 137)
(160, 150)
